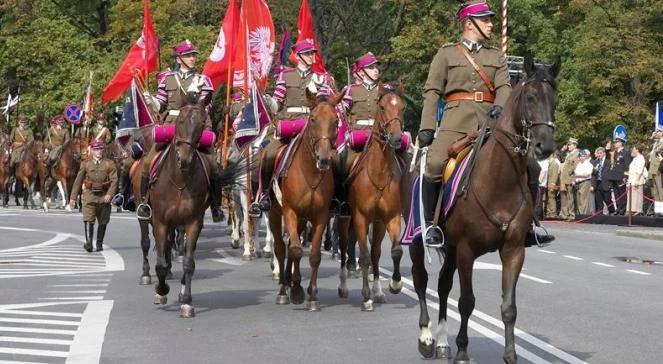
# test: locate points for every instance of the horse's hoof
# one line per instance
(247, 257)
(313, 306)
(334, 256)
(443, 352)
(179, 259)
(426, 350)
(186, 311)
(379, 299)
(297, 295)
(160, 300)
(371, 278)
(145, 280)
(462, 361)
(282, 299)
(235, 244)
(367, 306)
(276, 276)
(395, 287)
(267, 255)
(343, 292)
(67, 208)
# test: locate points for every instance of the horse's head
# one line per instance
(389, 119)
(536, 106)
(320, 133)
(188, 129)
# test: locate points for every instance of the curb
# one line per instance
(645, 234)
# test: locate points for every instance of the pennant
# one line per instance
(141, 60)
(11, 102)
(306, 32)
(255, 45)
(135, 114)
(222, 55)
(252, 119)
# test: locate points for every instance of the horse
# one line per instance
(5, 158)
(374, 196)
(183, 190)
(64, 172)
(483, 221)
(31, 170)
(307, 190)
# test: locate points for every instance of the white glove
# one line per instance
(272, 104)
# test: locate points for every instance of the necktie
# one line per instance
(600, 174)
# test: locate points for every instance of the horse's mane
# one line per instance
(391, 88)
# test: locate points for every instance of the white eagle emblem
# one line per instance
(262, 49)
(219, 51)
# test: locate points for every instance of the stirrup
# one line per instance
(439, 248)
(116, 200)
(144, 218)
(254, 210)
(536, 237)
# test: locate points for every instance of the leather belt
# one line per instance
(365, 122)
(174, 112)
(471, 96)
(300, 109)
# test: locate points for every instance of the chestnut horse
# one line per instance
(485, 221)
(65, 172)
(374, 195)
(5, 158)
(31, 171)
(307, 191)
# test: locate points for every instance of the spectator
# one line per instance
(655, 157)
(600, 185)
(583, 180)
(552, 185)
(617, 173)
(541, 192)
(637, 175)
(567, 180)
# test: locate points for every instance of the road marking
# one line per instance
(42, 322)
(572, 257)
(227, 258)
(89, 339)
(16, 229)
(638, 272)
(498, 267)
(40, 313)
(37, 331)
(58, 238)
(50, 353)
(87, 298)
(81, 285)
(546, 251)
(35, 341)
(603, 264)
(81, 292)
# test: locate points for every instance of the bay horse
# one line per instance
(5, 158)
(31, 171)
(485, 221)
(307, 191)
(374, 196)
(64, 172)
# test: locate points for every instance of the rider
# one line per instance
(470, 92)
(290, 101)
(19, 137)
(171, 97)
(98, 176)
(98, 131)
(57, 136)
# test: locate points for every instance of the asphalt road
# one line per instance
(578, 301)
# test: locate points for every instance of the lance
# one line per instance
(505, 36)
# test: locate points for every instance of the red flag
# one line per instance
(255, 45)
(141, 60)
(305, 32)
(222, 55)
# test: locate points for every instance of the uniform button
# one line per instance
(474, 73)
(474, 89)
(474, 81)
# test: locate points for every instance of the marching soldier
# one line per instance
(19, 137)
(56, 137)
(98, 178)
(473, 79)
(170, 98)
(289, 102)
(567, 180)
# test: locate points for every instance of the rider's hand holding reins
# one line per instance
(425, 137)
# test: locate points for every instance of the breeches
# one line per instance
(96, 210)
(438, 155)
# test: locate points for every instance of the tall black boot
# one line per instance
(431, 192)
(101, 233)
(532, 237)
(144, 211)
(123, 184)
(215, 201)
(264, 202)
(89, 233)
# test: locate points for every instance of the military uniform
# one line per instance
(654, 174)
(57, 136)
(567, 181)
(98, 179)
(18, 139)
(552, 187)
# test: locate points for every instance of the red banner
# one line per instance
(305, 32)
(255, 45)
(223, 53)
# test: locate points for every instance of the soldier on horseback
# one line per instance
(57, 136)
(172, 93)
(19, 137)
(290, 103)
(472, 78)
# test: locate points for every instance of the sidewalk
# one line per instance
(641, 232)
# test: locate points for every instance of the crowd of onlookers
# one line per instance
(616, 180)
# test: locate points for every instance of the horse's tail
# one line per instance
(234, 174)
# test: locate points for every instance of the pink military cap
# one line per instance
(475, 9)
(57, 120)
(183, 48)
(97, 144)
(304, 47)
(366, 60)
(237, 95)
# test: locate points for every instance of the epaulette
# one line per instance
(487, 46)
(449, 45)
(286, 69)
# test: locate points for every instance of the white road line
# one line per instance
(572, 257)
(37, 331)
(546, 251)
(58, 238)
(41, 322)
(39, 262)
(87, 298)
(19, 362)
(39, 313)
(227, 258)
(638, 272)
(34, 341)
(498, 267)
(49, 353)
(16, 229)
(603, 264)
(81, 285)
(80, 292)
(89, 339)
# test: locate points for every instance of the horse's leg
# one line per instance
(352, 254)
(238, 223)
(169, 252)
(279, 252)
(314, 259)
(60, 190)
(145, 247)
(444, 284)
(249, 250)
(376, 251)
(343, 236)
(394, 230)
(334, 236)
(162, 244)
(360, 225)
(426, 342)
(268, 249)
(179, 243)
(512, 263)
(465, 260)
(189, 266)
(328, 234)
(295, 253)
(26, 192)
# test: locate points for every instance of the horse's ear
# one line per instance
(338, 97)
(556, 66)
(529, 63)
(312, 100)
(401, 87)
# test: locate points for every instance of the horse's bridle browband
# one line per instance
(382, 135)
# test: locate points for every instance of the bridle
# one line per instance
(382, 136)
(310, 140)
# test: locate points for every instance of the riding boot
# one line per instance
(430, 192)
(101, 232)
(532, 237)
(264, 202)
(123, 184)
(215, 201)
(89, 232)
(144, 211)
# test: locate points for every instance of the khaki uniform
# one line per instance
(97, 180)
(654, 174)
(552, 187)
(18, 139)
(55, 140)
(567, 180)
(449, 73)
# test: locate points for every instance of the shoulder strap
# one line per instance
(477, 68)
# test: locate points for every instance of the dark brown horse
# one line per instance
(484, 221)
(5, 158)
(374, 194)
(307, 191)
(65, 171)
(31, 171)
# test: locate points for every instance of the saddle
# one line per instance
(457, 152)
